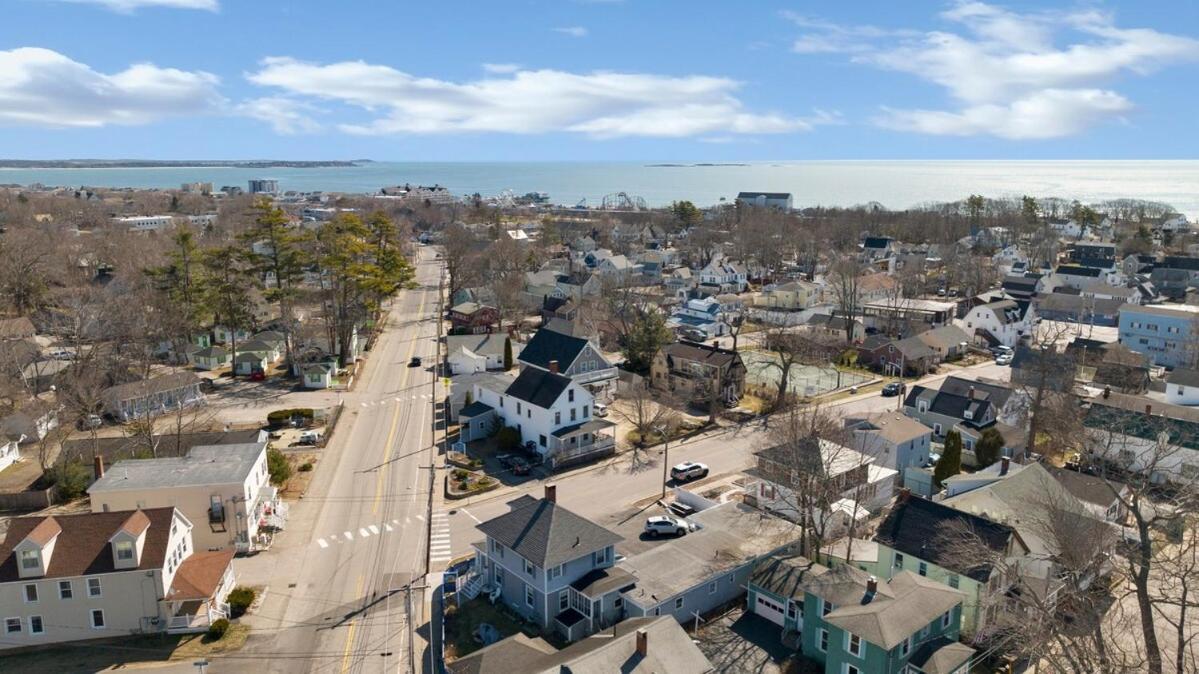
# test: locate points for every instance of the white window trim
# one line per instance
(849, 637)
(37, 593)
(822, 638)
(91, 614)
(43, 621)
(70, 588)
(20, 627)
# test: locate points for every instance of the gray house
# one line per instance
(575, 357)
(551, 566)
(943, 411)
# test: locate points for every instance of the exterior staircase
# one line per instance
(471, 588)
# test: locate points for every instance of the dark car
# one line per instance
(415, 362)
(515, 464)
(893, 389)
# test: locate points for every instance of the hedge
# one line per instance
(283, 417)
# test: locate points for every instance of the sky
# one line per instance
(688, 80)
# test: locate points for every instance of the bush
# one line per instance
(217, 629)
(69, 479)
(508, 439)
(459, 474)
(306, 467)
(240, 599)
(284, 417)
(277, 466)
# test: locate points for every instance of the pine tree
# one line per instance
(507, 353)
(951, 459)
(988, 447)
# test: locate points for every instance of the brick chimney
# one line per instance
(1107, 392)
(904, 494)
(554, 366)
(1004, 464)
(971, 393)
(642, 643)
(1149, 409)
(98, 466)
(551, 493)
(872, 586)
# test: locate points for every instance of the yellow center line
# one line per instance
(345, 656)
(395, 419)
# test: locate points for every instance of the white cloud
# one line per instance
(127, 6)
(573, 31)
(286, 116)
(597, 104)
(40, 87)
(501, 68)
(1006, 70)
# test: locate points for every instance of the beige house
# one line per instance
(224, 489)
(77, 577)
(151, 397)
(792, 296)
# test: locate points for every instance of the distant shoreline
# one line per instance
(149, 163)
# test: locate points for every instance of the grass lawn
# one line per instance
(460, 622)
(124, 652)
(193, 646)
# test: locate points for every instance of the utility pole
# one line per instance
(665, 457)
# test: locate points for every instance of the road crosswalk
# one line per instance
(439, 538)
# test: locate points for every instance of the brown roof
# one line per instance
(200, 575)
(45, 531)
(83, 548)
(136, 524)
(701, 353)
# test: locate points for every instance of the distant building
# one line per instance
(196, 188)
(263, 186)
(1163, 333)
(146, 223)
(780, 200)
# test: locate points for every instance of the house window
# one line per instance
(712, 587)
(945, 618)
(65, 589)
(529, 595)
(125, 550)
(556, 571)
(563, 600)
(541, 440)
(823, 646)
(898, 561)
(586, 411)
(93, 587)
(31, 593)
(570, 395)
(953, 580)
(937, 429)
(30, 559)
(599, 557)
(678, 603)
(826, 606)
(12, 625)
(573, 412)
(853, 644)
(923, 569)
(529, 568)
(922, 406)
(97, 618)
(618, 602)
(518, 408)
(558, 418)
(35, 625)
(905, 647)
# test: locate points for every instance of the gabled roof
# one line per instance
(83, 547)
(145, 387)
(949, 404)
(539, 388)
(199, 576)
(915, 526)
(900, 608)
(547, 345)
(1078, 270)
(994, 392)
(701, 353)
(545, 533)
(1089, 488)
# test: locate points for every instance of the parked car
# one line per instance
(415, 362)
(310, 437)
(62, 354)
(1003, 359)
(894, 388)
(601, 410)
(257, 375)
(89, 422)
(681, 509)
(1000, 350)
(661, 524)
(688, 470)
(515, 464)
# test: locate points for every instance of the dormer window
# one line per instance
(31, 559)
(124, 550)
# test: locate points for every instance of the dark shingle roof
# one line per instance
(538, 387)
(547, 345)
(1076, 270)
(1089, 488)
(949, 404)
(702, 353)
(545, 533)
(475, 409)
(916, 527)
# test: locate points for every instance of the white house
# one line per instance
(779, 200)
(67, 578)
(1007, 257)
(224, 489)
(318, 375)
(726, 275)
(477, 353)
(552, 413)
(1182, 387)
(146, 223)
(704, 314)
(1002, 322)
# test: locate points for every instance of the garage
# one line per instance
(769, 609)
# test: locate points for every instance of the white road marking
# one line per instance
(420, 517)
(388, 527)
(397, 521)
(374, 529)
(472, 516)
(349, 536)
(363, 532)
(321, 542)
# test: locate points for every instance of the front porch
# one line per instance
(581, 442)
(268, 517)
(198, 592)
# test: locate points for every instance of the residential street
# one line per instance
(336, 576)
(608, 491)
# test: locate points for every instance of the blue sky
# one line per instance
(598, 80)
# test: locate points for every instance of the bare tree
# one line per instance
(789, 349)
(844, 279)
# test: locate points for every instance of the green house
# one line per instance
(918, 535)
(852, 623)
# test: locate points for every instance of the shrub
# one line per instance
(277, 466)
(283, 417)
(459, 474)
(217, 629)
(70, 479)
(240, 599)
(306, 467)
(508, 439)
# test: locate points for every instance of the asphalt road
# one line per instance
(336, 600)
(611, 492)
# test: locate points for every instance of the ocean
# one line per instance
(895, 184)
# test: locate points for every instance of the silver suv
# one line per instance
(661, 524)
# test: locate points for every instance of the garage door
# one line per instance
(769, 609)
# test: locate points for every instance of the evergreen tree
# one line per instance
(988, 448)
(507, 353)
(281, 256)
(228, 280)
(951, 459)
(647, 334)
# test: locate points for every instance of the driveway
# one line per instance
(743, 643)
